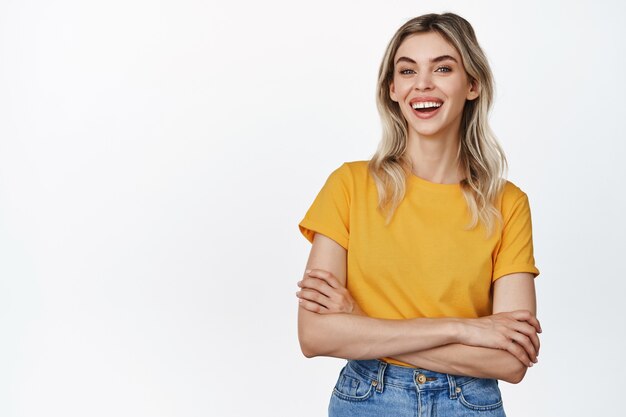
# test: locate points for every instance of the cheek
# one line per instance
(401, 87)
(457, 89)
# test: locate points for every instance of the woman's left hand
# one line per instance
(321, 292)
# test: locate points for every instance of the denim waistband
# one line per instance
(405, 377)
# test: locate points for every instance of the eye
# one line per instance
(406, 71)
(445, 68)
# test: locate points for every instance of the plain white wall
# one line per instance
(156, 158)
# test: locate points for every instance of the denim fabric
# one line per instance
(376, 388)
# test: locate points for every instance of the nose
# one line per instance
(423, 81)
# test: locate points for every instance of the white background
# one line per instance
(157, 156)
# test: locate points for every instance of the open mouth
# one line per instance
(426, 106)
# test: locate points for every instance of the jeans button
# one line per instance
(421, 378)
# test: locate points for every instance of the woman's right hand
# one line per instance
(513, 331)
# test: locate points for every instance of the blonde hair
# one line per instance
(481, 158)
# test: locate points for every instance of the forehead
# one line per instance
(425, 46)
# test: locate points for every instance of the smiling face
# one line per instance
(430, 85)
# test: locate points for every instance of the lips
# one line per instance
(426, 107)
(425, 99)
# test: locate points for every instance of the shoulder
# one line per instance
(350, 172)
(511, 192)
(512, 196)
(354, 166)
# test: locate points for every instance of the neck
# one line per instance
(434, 157)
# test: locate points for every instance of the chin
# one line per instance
(427, 132)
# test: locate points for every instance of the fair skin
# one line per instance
(502, 345)
(323, 293)
(330, 323)
(432, 143)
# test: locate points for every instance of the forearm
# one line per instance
(352, 336)
(459, 359)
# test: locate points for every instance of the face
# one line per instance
(430, 85)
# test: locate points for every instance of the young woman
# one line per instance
(421, 272)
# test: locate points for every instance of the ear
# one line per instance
(392, 92)
(474, 90)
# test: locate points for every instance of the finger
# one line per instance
(535, 323)
(317, 273)
(527, 332)
(529, 317)
(525, 342)
(339, 298)
(522, 315)
(530, 332)
(534, 338)
(311, 306)
(319, 285)
(540, 330)
(332, 280)
(326, 276)
(519, 352)
(312, 295)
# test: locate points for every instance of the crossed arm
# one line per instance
(482, 347)
(511, 292)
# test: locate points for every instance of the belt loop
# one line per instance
(452, 384)
(382, 365)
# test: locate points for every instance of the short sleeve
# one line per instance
(330, 212)
(515, 251)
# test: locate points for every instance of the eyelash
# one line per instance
(448, 69)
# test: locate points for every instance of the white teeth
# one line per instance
(426, 104)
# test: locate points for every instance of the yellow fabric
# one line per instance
(423, 264)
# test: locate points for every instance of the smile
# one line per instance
(426, 109)
(426, 105)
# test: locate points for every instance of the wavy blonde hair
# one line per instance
(479, 154)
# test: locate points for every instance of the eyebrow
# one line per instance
(433, 60)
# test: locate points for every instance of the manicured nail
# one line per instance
(530, 364)
(299, 283)
(307, 271)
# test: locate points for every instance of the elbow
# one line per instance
(320, 335)
(313, 343)
(315, 334)
(318, 347)
(313, 348)
(517, 373)
(309, 344)
(309, 353)
(307, 350)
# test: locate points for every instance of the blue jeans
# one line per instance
(377, 388)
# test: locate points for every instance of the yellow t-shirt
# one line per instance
(423, 264)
